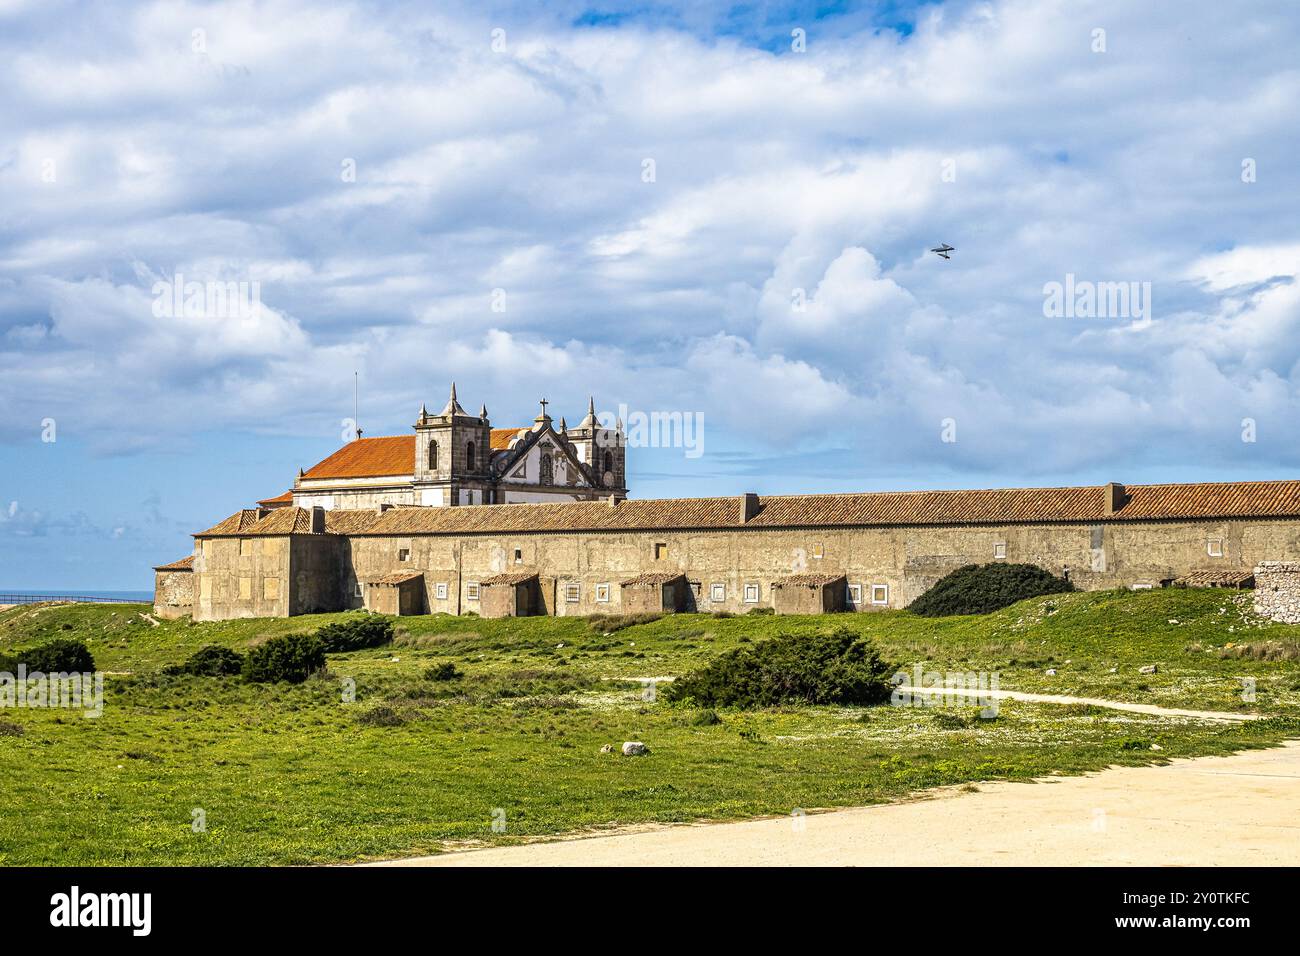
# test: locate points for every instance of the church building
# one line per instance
(454, 458)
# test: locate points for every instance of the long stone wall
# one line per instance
(1277, 591)
(728, 569)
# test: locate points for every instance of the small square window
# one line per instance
(696, 588)
(717, 593)
(1214, 547)
(357, 589)
(471, 591)
(818, 551)
(880, 594)
(403, 554)
(855, 593)
(751, 593)
(661, 551)
(602, 593)
(573, 593)
(440, 591)
(1000, 550)
(519, 556)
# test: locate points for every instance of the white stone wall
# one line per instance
(1277, 591)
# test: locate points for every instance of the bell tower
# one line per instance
(453, 452)
(603, 450)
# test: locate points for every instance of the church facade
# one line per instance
(454, 459)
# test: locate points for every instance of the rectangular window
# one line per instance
(1214, 547)
(818, 551)
(697, 588)
(440, 591)
(357, 590)
(403, 554)
(1000, 550)
(717, 593)
(661, 551)
(471, 591)
(245, 547)
(855, 594)
(271, 589)
(751, 593)
(573, 593)
(519, 556)
(602, 593)
(880, 594)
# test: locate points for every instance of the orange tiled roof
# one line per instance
(501, 437)
(184, 564)
(369, 458)
(1243, 499)
(382, 457)
(509, 577)
(395, 578)
(653, 577)
(808, 580)
(284, 498)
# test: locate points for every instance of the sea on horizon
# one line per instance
(143, 596)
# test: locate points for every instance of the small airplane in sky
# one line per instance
(943, 250)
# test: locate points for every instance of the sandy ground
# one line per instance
(1242, 810)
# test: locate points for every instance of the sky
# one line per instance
(719, 210)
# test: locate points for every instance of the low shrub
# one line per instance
(609, 623)
(445, 670)
(355, 634)
(982, 588)
(761, 610)
(8, 729)
(59, 656)
(292, 658)
(836, 668)
(210, 661)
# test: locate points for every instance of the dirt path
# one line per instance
(1241, 810)
(1093, 701)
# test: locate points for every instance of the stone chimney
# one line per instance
(748, 506)
(317, 520)
(1114, 498)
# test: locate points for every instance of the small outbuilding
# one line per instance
(809, 594)
(399, 593)
(173, 588)
(656, 591)
(514, 594)
(1236, 580)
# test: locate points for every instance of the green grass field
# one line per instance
(293, 774)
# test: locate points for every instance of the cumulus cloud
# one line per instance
(384, 172)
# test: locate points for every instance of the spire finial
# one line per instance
(453, 406)
(482, 411)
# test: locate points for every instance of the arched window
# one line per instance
(609, 461)
(469, 456)
(546, 470)
(433, 456)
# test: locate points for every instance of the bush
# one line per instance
(210, 661)
(609, 623)
(761, 610)
(836, 668)
(355, 634)
(443, 671)
(292, 658)
(59, 656)
(982, 588)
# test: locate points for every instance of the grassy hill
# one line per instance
(295, 774)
